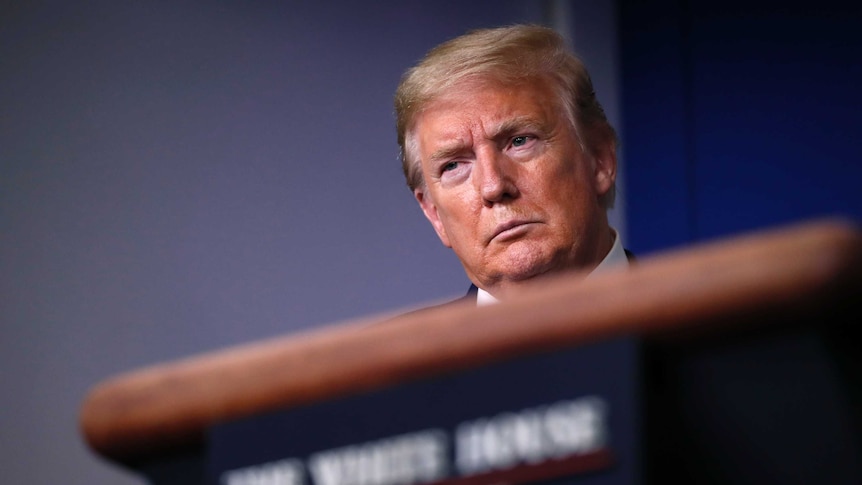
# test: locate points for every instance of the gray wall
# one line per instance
(181, 176)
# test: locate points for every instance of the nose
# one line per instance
(494, 177)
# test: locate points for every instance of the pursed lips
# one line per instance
(510, 228)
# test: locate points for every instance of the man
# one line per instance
(510, 157)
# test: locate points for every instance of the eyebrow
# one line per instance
(448, 151)
(504, 129)
(514, 125)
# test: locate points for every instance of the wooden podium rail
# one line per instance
(739, 284)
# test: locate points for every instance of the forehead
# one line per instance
(483, 107)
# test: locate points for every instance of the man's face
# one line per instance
(507, 185)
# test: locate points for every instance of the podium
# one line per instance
(731, 362)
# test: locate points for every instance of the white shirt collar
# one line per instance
(484, 298)
(615, 257)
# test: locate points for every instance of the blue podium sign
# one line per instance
(562, 417)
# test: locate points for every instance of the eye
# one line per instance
(449, 166)
(519, 141)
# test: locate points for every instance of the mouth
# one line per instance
(511, 229)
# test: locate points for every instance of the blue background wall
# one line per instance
(739, 115)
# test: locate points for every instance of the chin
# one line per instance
(526, 265)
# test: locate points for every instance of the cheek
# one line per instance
(569, 195)
(555, 182)
(456, 213)
(574, 177)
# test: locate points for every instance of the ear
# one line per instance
(605, 169)
(430, 211)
